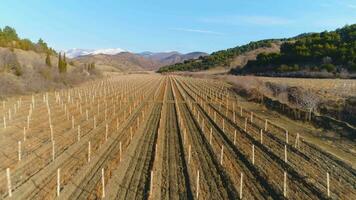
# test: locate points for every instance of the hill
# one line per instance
(10, 39)
(27, 67)
(76, 52)
(224, 58)
(169, 58)
(314, 54)
(124, 61)
(326, 54)
(127, 61)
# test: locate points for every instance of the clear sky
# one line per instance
(164, 25)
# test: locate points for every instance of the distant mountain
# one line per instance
(169, 58)
(124, 61)
(109, 60)
(194, 55)
(145, 53)
(72, 53)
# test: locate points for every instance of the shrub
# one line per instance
(328, 67)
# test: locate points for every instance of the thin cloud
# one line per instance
(197, 31)
(353, 6)
(248, 19)
(264, 20)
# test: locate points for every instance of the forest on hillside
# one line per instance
(219, 58)
(10, 39)
(330, 52)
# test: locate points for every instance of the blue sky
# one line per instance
(164, 25)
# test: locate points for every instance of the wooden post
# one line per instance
(53, 150)
(211, 134)
(51, 130)
(251, 117)
(78, 133)
(120, 151)
(285, 184)
(4, 122)
(245, 124)
(296, 144)
(198, 184)
(19, 150)
(234, 137)
(58, 182)
(130, 133)
(28, 121)
(286, 137)
(223, 125)
(253, 154)
(24, 133)
(189, 153)
(95, 122)
(328, 183)
(72, 122)
(261, 135)
(9, 189)
(241, 111)
(103, 183)
(106, 132)
(285, 153)
(222, 154)
(9, 114)
(241, 182)
(89, 151)
(151, 184)
(266, 124)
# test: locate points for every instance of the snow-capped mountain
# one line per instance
(72, 53)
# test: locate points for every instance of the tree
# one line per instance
(10, 39)
(10, 33)
(42, 46)
(328, 67)
(64, 61)
(48, 59)
(92, 66)
(59, 62)
(61, 67)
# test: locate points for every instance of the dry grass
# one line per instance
(329, 88)
(23, 72)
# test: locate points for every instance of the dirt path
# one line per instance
(175, 179)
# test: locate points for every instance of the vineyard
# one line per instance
(157, 137)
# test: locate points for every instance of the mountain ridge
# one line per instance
(324, 54)
(76, 52)
(127, 61)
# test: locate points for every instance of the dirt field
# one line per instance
(158, 137)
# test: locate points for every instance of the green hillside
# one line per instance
(10, 39)
(219, 58)
(332, 52)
